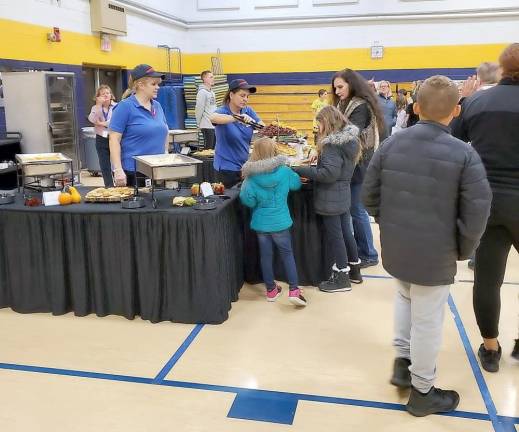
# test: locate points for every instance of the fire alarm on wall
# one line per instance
(54, 36)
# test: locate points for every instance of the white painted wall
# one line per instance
(74, 15)
(356, 35)
(306, 8)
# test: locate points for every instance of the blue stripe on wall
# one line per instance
(393, 75)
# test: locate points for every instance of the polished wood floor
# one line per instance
(270, 367)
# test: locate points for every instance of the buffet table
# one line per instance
(164, 264)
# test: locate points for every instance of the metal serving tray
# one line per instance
(41, 164)
(167, 166)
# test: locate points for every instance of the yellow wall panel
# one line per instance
(446, 56)
(21, 41)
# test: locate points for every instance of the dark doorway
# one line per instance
(94, 76)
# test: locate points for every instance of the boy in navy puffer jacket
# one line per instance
(265, 189)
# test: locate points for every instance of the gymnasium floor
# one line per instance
(270, 367)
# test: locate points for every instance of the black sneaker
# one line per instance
(355, 275)
(401, 375)
(515, 352)
(368, 263)
(338, 282)
(471, 264)
(435, 401)
(489, 358)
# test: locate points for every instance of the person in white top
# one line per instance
(205, 107)
(100, 116)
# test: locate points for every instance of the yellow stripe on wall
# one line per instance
(22, 41)
(424, 57)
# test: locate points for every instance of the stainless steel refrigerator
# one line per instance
(41, 105)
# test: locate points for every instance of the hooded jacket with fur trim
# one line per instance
(332, 175)
(265, 189)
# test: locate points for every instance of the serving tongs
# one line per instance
(253, 124)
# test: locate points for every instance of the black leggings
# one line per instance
(489, 272)
(340, 239)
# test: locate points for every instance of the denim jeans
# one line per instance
(362, 226)
(340, 239)
(103, 154)
(283, 242)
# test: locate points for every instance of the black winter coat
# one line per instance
(333, 172)
(490, 121)
(430, 195)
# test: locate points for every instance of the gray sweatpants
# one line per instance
(419, 312)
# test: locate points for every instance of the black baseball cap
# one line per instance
(241, 84)
(144, 70)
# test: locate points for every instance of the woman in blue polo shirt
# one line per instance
(138, 125)
(233, 137)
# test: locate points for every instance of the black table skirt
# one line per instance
(180, 265)
(313, 257)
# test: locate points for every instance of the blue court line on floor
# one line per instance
(241, 390)
(179, 353)
(509, 423)
(483, 388)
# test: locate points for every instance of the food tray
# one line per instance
(167, 166)
(127, 193)
(181, 135)
(132, 202)
(6, 198)
(40, 164)
(205, 204)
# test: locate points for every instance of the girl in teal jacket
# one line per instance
(265, 189)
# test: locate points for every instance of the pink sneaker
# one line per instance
(296, 298)
(274, 294)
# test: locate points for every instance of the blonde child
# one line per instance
(339, 151)
(265, 189)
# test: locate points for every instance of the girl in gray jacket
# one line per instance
(339, 151)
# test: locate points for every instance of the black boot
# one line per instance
(355, 276)
(515, 352)
(339, 281)
(401, 375)
(436, 401)
(489, 358)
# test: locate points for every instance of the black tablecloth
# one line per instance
(313, 257)
(175, 264)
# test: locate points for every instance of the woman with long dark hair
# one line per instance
(358, 102)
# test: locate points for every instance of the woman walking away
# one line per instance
(339, 151)
(265, 189)
(489, 121)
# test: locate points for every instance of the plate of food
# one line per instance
(113, 194)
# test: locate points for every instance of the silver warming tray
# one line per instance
(43, 164)
(167, 166)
